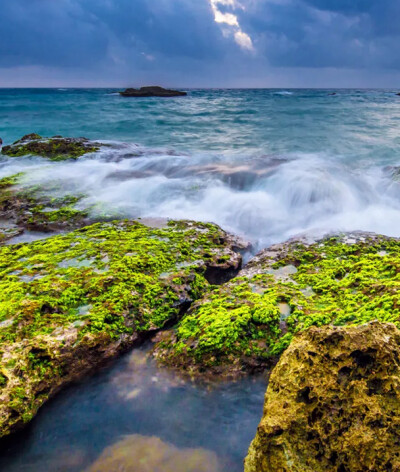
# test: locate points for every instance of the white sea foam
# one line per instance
(266, 199)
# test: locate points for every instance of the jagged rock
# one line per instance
(138, 453)
(55, 149)
(151, 92)
(71, 302)
(333, 404)
(243, 326)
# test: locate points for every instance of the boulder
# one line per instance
(72, 302)
(243, 326)
(333, 404)
(151, 92)
(137, 453)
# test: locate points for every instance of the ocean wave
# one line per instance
(266, 198)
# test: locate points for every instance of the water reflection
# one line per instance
(132, 408)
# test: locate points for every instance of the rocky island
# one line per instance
(153, 91)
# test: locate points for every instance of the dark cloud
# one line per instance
(179, 38)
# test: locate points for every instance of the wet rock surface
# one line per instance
(153, 91)
(243, 326)
(70, 302)
(333, 404)
(138, 453)
(56, 148)
(35, 208)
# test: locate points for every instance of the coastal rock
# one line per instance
(244, 326)
(333, 404)
(55, 149)
(33, 207)
(138, 453)
(151, 92)
(71, 302)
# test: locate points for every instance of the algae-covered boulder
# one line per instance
(34, 207)
(245, 325)
(70, 302)
(57, 148)
(333, 404)
(137, 453)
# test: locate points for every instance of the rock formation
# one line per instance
(244, 325)
(71, 302)
(151, 92)
(333, 404)
(56, 148)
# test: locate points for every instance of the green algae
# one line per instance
(55, 149)
(332, 282)
(31, 206)
(71, 301)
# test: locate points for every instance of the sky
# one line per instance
(200, 43)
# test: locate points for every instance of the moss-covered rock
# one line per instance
(57, 148)
(70, 302)
(333, 404)
(32, 207)
(137, 453)
(246, 324)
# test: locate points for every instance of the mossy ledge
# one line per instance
(70, 302)
(333, 404)
(244, 326)
(56, 148)
(31, 207)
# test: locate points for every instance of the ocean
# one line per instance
(267, 164)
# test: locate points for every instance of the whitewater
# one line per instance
(265, 164)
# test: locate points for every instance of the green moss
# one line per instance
(55, 149)
(68, 301)
(333, 283)
(31, 206)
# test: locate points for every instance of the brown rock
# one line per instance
(333, 404)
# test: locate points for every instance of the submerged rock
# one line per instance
(333, 404)
(69, 303)
(55, 149)
(138, 453)
(151, 92)
(31, 207)
(243, 326)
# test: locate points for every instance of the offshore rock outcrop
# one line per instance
(153, 91)
(56, 148)
(137, 453)
(69, 303)
(243, 326)
(333, 404)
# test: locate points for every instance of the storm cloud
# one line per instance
(199, 42)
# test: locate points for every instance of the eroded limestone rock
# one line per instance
(333, 404)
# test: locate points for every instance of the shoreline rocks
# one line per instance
(244, 325)
(71, 302)
(153, 91)
(56, 148)
(333, 404)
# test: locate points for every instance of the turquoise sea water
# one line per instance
(267, 164)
